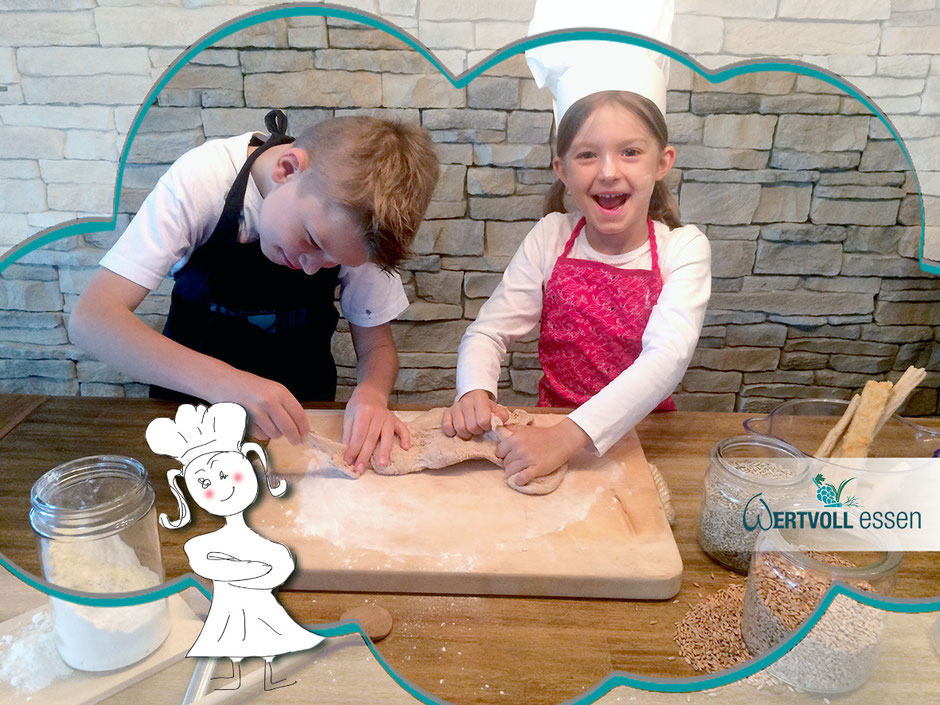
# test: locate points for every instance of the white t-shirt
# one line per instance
(668, 342)
(181, 212)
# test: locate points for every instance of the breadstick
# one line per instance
(861, 430)
(912, 377)
(835, 433)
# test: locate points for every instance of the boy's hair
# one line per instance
(383, 172)
(663, 206)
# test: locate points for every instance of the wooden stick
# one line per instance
(835, 433)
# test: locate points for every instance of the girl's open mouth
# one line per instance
(610, 201)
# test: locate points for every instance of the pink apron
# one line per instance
(593, 318)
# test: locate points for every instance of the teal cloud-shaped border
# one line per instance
(608, 683)
(616, 678)
(87, 225)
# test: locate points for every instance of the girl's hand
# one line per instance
(272, 409)
(471, 415)
(534, 451)
(370, 428)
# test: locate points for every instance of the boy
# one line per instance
(257, 236)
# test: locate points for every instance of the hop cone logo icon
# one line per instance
(830, 495)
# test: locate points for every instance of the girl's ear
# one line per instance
(291, 161)
(667, 157)
(559, 167)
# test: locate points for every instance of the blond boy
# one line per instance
(258, 233)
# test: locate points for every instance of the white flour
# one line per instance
(103, 638)
(380, 513)
(29, 661)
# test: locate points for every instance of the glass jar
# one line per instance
(741, 467)
(97, 533)
(804, 423)
(786, 583)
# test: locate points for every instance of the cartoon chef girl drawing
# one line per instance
(245, 619)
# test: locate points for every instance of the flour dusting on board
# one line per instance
(392, 514)
(29, 661)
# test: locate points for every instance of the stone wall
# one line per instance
(807, 201)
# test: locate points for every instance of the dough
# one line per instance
(334, 451)
(540, 485)
(835, 433)
(431, 450)
(858, 436)
(909, 381)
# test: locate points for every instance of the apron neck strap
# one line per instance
(654, 257)
(649, 224)
(276, 122)
(574, 236)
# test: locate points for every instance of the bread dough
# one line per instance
(430, 449)
(539, 485)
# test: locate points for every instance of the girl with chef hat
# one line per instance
(619, 285)
(245, 618)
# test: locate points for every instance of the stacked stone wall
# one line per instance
(808, 202)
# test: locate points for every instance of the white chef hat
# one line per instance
(198, 430)
(575, 69)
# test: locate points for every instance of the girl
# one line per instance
(620, 288)
(245, 619)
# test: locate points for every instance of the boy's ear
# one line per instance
(290, 161)
(666, 159)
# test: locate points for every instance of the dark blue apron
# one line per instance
(232, 303)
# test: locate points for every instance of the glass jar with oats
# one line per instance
(742, 468)
(791, 572)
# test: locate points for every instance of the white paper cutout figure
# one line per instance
(245, 619)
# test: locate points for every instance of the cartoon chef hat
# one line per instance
(575, 69)
(198, 430)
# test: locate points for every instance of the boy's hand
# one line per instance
(533, 451)
(471, 415)
(272, 409)
(370, 428)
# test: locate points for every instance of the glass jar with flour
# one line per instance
(97, 533)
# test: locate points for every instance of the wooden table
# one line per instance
(462, 649)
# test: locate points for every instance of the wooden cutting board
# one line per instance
(462, 530)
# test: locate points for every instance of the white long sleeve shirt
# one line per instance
(668, 342)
